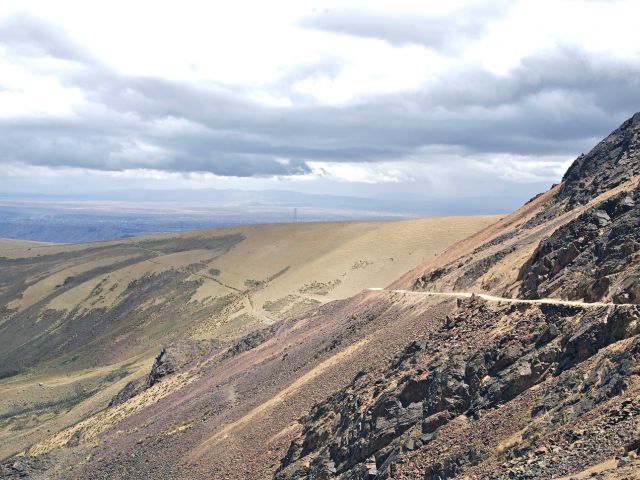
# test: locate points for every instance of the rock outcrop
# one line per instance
(401, 385)
(370, 428)
(170, 359)
(594, 257)
(614, 161)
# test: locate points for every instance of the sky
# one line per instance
(456, 99)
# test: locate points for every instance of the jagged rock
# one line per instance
(482, 388)
(628, 291)
(601, 218)
(170, 359)
(431, 423)
(23, 468)
(372, 469)
(453, 465)
(548, 334)
(611, 162)
(466, 386)
(591, 257)
(130, 390)
(251, 340)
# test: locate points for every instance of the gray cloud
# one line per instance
(557, 103)
(31, 37)
(440, 32)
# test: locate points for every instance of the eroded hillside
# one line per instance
(82, 324)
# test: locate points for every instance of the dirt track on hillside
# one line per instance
(493, 298)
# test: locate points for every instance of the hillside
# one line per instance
(7, 243)
(79, 322)
(510, 390)
(539, 378)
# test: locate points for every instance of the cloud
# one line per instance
(31, 37)
(442, 32)
(555, 104)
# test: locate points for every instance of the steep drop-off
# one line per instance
(82, 324)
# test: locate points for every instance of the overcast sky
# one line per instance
(449, 99)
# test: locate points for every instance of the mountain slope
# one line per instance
(510, 391)
(398, 385)
(80, 322)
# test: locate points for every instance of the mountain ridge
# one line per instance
(385, 385)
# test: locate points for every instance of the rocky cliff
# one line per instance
(610, 164)
(595, 257)
(546, 376)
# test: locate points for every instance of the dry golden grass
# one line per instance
(357, 254)
(98, 423)
(272, 262)
(8, 244)
(33, 390)
(264, 275)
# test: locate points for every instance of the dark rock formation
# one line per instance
(612, 162)
(130, 390)
(170, 359)
(251, 340)
(364, 430)
(430, 413)
(594, 257)
(178, 355)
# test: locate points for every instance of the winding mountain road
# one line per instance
(492, 298)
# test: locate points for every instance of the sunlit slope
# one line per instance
(102, 302)
(77, 322)
(9, 243)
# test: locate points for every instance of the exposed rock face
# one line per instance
(170, 359)
(366, 430)
(612, 162)
(130, 390)
(486, 389)
(594, 257)
(178, 355)
(22, 468)
(251, 341)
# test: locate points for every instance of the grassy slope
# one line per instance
(79, 321)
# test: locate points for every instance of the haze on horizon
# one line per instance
(464, 99)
